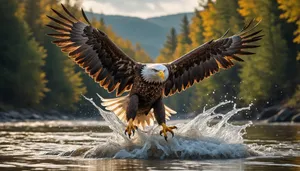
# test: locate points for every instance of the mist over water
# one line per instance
(197, 139)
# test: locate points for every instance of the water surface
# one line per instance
(198, 144)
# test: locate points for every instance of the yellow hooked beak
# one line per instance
(161, 74)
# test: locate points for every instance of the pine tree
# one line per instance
(181, 102)
(102, 23)
(196, 29)
(263, 74)
(185, 31)
(166, 53)
(217, 18)
(35, 14)
(66, 85)
(184, 41)
(22, 80)
(209, 23)
(291, 12)
(228, 17)
(33, 20)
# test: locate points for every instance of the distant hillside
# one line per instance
(169, 21)
(150, 33)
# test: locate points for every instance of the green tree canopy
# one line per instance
(166, 53)
(23, 82)
(262, 75)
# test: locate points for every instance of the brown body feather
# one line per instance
(148, 93)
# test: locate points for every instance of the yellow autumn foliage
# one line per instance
(209, 22)
(291, 12)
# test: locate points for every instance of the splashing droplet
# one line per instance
(208, 136)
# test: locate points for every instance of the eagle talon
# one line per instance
(130, 129)
(166, 129)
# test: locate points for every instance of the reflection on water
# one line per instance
(23, 147)
(275, 132)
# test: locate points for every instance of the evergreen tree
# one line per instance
(33, 19)
(228, 17)
(22, 80)
(291, 12)
(217, 18)
(184, 41)
(262, 74)
(35, 15)
(209, 23)
(185, 31)
(64, 83)
(181, 102)
(196, 30)
(102, 23)
(166, 53)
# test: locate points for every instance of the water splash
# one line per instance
(196, 139)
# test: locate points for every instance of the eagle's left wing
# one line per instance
(94, 51)
(208, 58)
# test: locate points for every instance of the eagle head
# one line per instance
(155, 73)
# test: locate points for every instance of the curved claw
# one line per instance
(166, 129)
(130, 129)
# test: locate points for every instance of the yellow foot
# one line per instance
(166, 129)
(130, 128)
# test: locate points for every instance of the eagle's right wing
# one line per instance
(93, 51)
(208, 58)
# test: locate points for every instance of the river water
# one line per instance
(202, 143)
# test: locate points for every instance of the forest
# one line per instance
(35, 74)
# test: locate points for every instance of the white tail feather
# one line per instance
(119, 105)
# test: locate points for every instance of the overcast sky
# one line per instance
(140, 8)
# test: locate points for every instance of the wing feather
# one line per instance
(208, 58)
(92, 50)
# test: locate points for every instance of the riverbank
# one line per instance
(34, 115)
(279, 114)
(269, 115)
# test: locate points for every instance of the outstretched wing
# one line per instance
(93, 51)
(208, 58)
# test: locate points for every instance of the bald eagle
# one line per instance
(147, 83)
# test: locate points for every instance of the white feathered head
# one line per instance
(155, 73)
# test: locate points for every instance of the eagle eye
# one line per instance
(155, 70)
